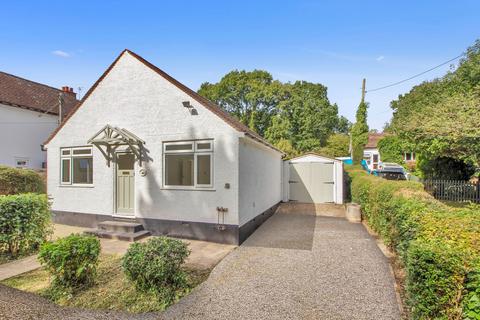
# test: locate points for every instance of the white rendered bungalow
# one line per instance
(144, 147)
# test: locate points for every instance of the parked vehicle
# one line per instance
(387, 170)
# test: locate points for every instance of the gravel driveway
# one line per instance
(298, 266)
(295, 266)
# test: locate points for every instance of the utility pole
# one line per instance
(363, 89)
(60, 107)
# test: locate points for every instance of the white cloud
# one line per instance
(380, 58)
(61, 53)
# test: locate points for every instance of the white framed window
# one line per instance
(188, 164)
(409, 156)
(76, 166)
(21, 162)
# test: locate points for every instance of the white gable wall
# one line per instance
(134, 97)
(23, 132)
(260, 176)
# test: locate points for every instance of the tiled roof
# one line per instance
(373, 139)
(23, 93)
(225, 116)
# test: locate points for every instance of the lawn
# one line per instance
(111, 291)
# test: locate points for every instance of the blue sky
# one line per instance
(336, 43)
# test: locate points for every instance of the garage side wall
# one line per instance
(260, 179)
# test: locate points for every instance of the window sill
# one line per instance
(76, 186)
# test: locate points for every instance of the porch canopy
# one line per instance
(109, 139)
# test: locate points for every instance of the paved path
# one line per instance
(298, 266)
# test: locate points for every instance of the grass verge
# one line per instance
(112, 291)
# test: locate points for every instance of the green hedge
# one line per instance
(72, 261)
(438, 245)
(25, 222)
(13, 181)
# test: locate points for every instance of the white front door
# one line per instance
(125, 186)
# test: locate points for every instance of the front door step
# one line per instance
(120, 230)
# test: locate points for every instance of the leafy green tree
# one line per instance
(286, 146)
(299, 112)
(343, 125)
(252, 97)
(392, 148)
(439, 119)
(305, 117)
(360, 133)
(337, 146)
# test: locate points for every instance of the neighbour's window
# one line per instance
(21, 162)
(188, 164)
(76, 166)
(409, 156)
(366, 157)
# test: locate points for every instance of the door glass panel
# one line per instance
(203, 169)
(179, 170)
(125, 161)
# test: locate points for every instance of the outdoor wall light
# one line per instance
(190, 108)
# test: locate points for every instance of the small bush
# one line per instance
(155, 266)
(72, 261)
(438, 245)
(25, 222)
(14, 181)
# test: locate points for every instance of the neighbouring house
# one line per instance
(371, 155)
(142, 146)
(29, 113)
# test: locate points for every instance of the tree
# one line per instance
(299, 112)
(252, 97)
(360, 133)
(439, 119)
(338, 145)
(305, 117)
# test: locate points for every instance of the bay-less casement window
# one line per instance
(76, 166)
(188, 164)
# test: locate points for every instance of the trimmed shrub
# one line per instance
(438, 245)
(14, 181)
(25, 222)
(72, 261)
(155, 266)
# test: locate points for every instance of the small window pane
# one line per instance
(204, 146)
(179, 147)
(83, 170)
(203, 170)
(66, 170)
(65, 152)
(82, 151)
(179, 170)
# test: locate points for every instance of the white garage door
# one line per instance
(312, 182)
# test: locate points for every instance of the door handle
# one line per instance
(290, 181)
(332, 182)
